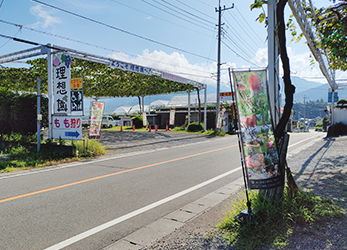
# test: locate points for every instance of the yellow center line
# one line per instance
(108, 175)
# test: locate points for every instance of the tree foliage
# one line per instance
(330, 25)
(99, 80)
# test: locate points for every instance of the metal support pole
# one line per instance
(205, 108)
(218, 61)
(188, 108)
(272, 58)
(39, 117)
(50, 92)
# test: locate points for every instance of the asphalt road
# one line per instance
(90, 205)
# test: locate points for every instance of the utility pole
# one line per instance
(219, 10)
(305, 112)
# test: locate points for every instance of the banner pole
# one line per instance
(243, 213)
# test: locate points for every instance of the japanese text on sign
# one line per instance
(76, 83)
(131, 67)
(61, 83)
(174, 78)
(67, 127)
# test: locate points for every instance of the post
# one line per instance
(218, 62)
(205, 111)
(39, 116)
(272, 62)
(219, 10)
(188, 108)
(50, 92)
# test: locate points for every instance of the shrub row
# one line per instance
(18, 113)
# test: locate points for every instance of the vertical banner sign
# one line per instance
(144, 119)
(95, 119)
(220, 119)
(258, 147)
(76, 94)
(172, 117)
(61, 83)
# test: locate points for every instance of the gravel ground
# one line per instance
(321, 168)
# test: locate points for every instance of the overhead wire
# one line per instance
(38, 44)
(195, 9)
(121, 30)
(182, 26)
(189, 13)
(250, 38)
(263, 42)
(86, 43)
(170, 13)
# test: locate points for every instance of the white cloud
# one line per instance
(45, 16)
(299, 64)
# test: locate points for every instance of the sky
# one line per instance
(175, 36)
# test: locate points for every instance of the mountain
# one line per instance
(318, 93)
(312, 90)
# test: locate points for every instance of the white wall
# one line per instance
(340, 115)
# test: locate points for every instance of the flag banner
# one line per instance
(144, 119)
(172, 117)
(258, 147)
(96, 119)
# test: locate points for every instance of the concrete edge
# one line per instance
(174, 220)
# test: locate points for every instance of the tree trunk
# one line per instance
(139, 97)
(289, 89)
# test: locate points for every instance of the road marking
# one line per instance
(118, 220)
(101, 160)
(301, 141)
(112, 174)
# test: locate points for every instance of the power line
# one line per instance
(121, 30)
(263, 42)
(85, 43)
(1, 3)
(185, 27)
(244, 30)
(195, 9)
(153, 5)
(187, 12)
(239, 54)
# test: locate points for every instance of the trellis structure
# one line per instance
(50, 49)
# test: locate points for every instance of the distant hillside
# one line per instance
(318, 93)
(313, 90)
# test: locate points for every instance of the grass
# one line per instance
(18, 157)
(274, 221)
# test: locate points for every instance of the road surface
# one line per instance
(92, 204)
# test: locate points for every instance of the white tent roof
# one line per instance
(136, 108)
(122, 110)
(159, 103)
(182, 100)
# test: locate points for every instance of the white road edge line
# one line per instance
(115, 157)
(100, 160)
(114, 222)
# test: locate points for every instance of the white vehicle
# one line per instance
(107, 122)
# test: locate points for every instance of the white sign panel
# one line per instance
(174, 78)
(131, 67)
(61, 83)
(67, 127)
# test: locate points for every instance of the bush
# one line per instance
(18, 113)
(195, 127)
(137, 121)
(337, 130)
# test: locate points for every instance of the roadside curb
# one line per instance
(175, 220)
